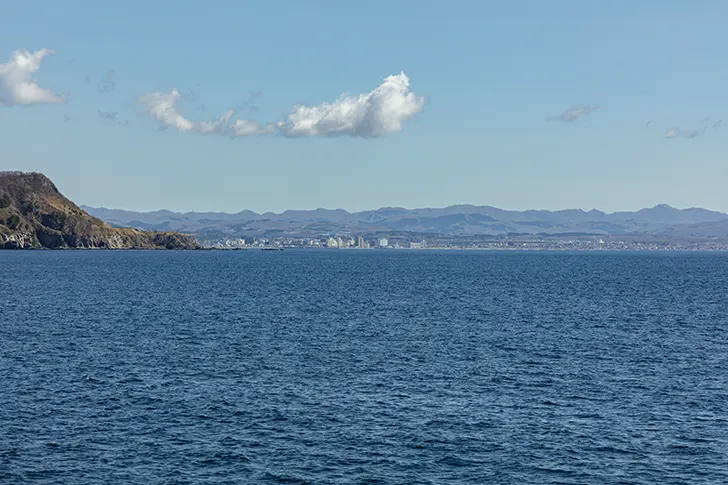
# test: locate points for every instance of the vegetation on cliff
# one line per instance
(34, 215)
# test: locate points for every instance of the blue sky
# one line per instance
(490, 73)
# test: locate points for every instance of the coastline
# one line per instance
(554, 250)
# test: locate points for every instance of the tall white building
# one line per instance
(383, 242)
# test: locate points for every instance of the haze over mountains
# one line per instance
(458, 220)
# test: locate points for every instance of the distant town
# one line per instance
(583, 243)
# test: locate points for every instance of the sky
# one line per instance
(271, 106)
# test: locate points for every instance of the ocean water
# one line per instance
(363, 367)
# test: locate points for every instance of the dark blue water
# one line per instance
(348, 367)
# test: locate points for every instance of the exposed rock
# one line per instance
(34, 215)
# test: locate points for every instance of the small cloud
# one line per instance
(574, 113)
(163, 108)
(108, 82)
(250, 103)
(16, 84)
(190, 95)
(377, 113)
(106, 115)
(676, 132)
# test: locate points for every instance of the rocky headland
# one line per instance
(35, 215)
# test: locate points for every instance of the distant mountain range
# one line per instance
(457, 220)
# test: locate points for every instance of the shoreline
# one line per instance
(581, 250)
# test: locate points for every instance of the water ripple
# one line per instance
(337, 367)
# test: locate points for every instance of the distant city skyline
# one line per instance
(518, 105)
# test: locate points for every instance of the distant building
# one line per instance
(360, 242)
(332, 243)
(383, 242)
(415, 245)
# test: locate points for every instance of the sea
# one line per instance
(363, 367)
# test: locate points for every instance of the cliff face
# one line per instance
(34, 214)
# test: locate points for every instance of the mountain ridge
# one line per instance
(455, 220)
(661, 206)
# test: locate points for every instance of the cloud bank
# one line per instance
(574, 113)
(16, 84)
(377, 113)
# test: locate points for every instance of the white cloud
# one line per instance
(377, 113)
(574, 113)
(250, 128)
(16, 84)
(162, 107)
(370, 115)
